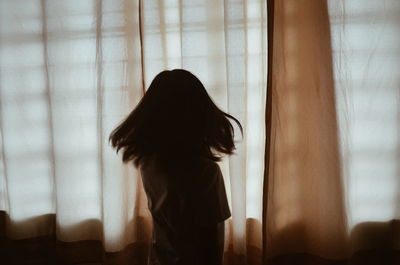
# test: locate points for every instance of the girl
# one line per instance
(174, 137)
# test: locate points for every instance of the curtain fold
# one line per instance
(305, 193)
(315, 177)
(366, 50)
(71, 71)
(331, 185)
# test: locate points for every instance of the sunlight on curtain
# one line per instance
(366, 49)
(71, 70)
(26, 149)
(334, 178)
(223, 43)
(305, 208)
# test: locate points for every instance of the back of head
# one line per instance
(176, 117)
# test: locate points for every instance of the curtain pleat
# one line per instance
(268, 124)
(305, 194)
(70, 72)
(326, 127)
(315, 177)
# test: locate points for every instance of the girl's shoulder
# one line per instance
(189, 161)
(210, 172)
(206, 162)
(200, 168)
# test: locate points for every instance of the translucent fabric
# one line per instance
(333, 182)
(366, 63)
(72, 70)
(69, 72)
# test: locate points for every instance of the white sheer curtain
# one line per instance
(366, 55)
(71, 70)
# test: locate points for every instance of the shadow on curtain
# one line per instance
(307, 220)
(50, 250)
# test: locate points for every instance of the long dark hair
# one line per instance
(176, 117)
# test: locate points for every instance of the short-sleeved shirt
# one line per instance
(182, 195)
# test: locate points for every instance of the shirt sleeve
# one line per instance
(212, 203)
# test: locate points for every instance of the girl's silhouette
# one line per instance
(175, 136)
